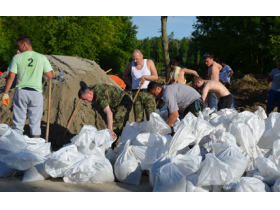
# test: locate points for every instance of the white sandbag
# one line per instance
(187, 164)
(214, 172)
(165, 140)
(129, 133)
(158, 125)
(182, 138)
(7, 146)
(6, 171)
(250, 184)
(35, 173)
(268, 169)
(170, 179)
(111, 156)
(237, 162)
(22, 159)
(245, 139)
(147, 139)
(265, 179)
(267, 139)
(231, 186)
(38, 145)
(3, 129)
(61, 160)
(276, 186)
(145, 127)
(275, 153)
(189, 120)
(202, 128)
(16, 139)
(92, 168)
(155, 167)
(260, 113)
(127, 168)
(103, 139)
(84, 140)
(194, 151)
(206, 113)
(191, 185)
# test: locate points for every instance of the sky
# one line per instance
(148, 26)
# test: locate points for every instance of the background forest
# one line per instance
(248, 44)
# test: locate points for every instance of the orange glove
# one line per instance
(5, 99)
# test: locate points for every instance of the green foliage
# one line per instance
(107, 40)
(247, 43)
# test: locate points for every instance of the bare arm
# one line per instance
(172, 118)
(215, 73)
(10, 79)
(126, 72)
(205, 93)
(109, 115)
(154, 74)
(50, 74)
(230, 73)
(189, 71)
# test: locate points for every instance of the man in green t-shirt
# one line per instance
(109, 97)
(29, 67)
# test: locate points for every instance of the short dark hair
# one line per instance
(222, 61)
(173, 62)
(195, 79)
(208, 55)
(153, 85)
(83, 91)
(26, 39)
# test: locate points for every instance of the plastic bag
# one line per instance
(35, 173)
(23, 159)
(3, 129)
(250, 184)
(191, 185)
(61, 160)
(127, 168)
(260, 113)
(214, 172)
(111, 156)
(170, 179)
(84, 140)
(16, 139)
(93, 169)
(276, 186)
(155, 167)
(6, 171)
(103, 139)
(158, 125)
(237, 162)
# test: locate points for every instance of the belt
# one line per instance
(141, 90)
(27, 88)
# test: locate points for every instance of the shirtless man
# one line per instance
(213, 74)
(142, 72)
(214, 87)
(177, 74)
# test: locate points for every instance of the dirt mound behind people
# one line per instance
(78, 72)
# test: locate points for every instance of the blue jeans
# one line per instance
(213, 101)
(273, 96)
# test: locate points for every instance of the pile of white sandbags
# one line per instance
(83, 160)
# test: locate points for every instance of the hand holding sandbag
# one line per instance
(5, 99)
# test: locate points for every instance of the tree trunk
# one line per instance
(164, 39)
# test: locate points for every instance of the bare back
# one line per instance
(213, 71)
(216, 87)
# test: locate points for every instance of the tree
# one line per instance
(165, 44)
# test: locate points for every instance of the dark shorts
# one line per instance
(273, 97)
(225, 102)
(194, 107)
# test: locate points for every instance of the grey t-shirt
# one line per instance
(179, 96)
(276, 79)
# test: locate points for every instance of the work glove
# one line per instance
(5, 99)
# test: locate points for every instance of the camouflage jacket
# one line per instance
(105, 94)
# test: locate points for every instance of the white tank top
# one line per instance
(137, 75)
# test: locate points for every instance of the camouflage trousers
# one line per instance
(144, 101)
(121, 115)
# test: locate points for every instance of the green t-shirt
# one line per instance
(29, 67)
(107, 95)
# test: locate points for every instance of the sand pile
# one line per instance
(78, 72)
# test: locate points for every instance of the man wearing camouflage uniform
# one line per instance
(109, 97)
(142, 71)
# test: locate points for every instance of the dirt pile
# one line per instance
(249, 91)
(78, 72)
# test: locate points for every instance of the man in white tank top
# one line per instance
(142, 72)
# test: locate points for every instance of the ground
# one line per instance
(14, 184)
